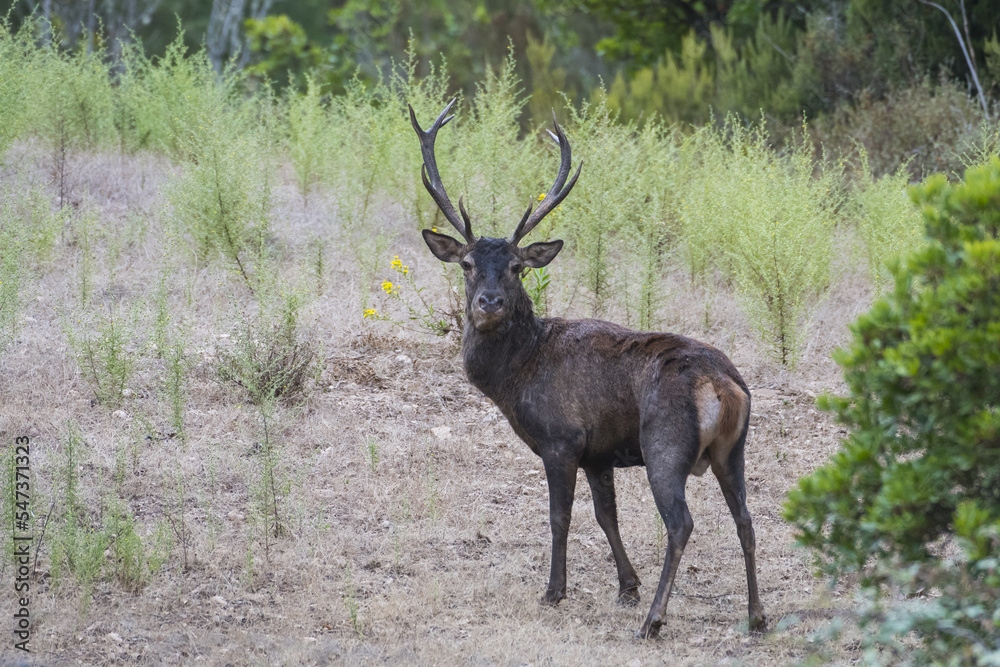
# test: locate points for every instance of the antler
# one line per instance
(431, 177)
(557, 193)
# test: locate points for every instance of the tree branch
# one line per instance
(965, 52)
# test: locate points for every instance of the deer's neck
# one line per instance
(494, 360)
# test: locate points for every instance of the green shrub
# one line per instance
(780, 236)
(376, 151)
(222, 200)
(169, 338)
(103, 341)
(922, 465)
(765, 220)
(175, 96)
(17, 67)
(653, 230)
(604, 202)
(272, 357)
(70, 105)
(92, 549)
(888, 220)
(307, 136)
(924, 126)
(72, 100)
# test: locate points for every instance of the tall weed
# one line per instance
(889, 222)
(308, 136)
(494, 170)
(604, 202)
(175, 95)
(765, 220)
(18, 67)
(273, 354)
(222, 200)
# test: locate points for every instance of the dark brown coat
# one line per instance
(591, 394)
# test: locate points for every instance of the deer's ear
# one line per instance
(443, 246)
(537, 255)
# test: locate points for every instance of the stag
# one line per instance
(594, 395)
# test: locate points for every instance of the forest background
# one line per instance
(895, 65)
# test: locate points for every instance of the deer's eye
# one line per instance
(465, 265)
(516, 268)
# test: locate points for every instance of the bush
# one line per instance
(173, 97)
(16, 66)
(307, 136)
(103, 341)
(272, 358)
(765, 220)
(603, 202)
(924, 124)
(223, 198)
(889, 222)
(920, 474)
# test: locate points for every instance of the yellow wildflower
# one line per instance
(387, 287)
(541, 196)
(369, 312)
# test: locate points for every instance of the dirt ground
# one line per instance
(435, 551)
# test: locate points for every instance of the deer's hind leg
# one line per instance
(602, 488)
(728, 469)
(670, 445)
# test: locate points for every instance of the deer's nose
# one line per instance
(490, 302)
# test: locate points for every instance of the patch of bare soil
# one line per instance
(414, 522)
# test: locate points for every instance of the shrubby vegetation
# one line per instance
(912, 501)
(707, 196)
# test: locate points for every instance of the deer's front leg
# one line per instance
(561, 475)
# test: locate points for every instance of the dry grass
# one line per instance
(440, 547)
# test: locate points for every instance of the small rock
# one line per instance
(441, 432)
(219, 600)
(403, 359)
(115, 637)
(120, 414)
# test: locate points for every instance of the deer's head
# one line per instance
(493, 267)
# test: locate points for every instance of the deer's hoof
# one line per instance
(758, 622)
(552, 598)
(648, 632)
(628, 597)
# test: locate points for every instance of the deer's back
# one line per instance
(592, 381)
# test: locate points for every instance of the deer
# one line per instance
(591, 394)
